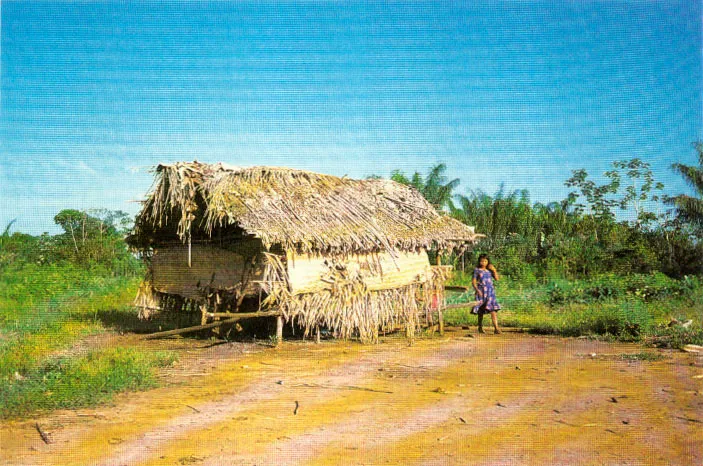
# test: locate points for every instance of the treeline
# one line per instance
(581, 236)
(90, 239)
(585, 234)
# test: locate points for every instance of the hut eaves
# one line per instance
(300, 210)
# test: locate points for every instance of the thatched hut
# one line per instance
(349, 255)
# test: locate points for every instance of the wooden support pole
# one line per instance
(244, 315)
(233, 318)
(180, 331)
(317, 334)
(460, 305)
(241, 315)
(279, 330)
(456, 288)
(440, 318)
(203, 311)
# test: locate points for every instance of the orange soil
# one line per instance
(491, 399)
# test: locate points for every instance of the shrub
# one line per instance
(561, 293)
(658, 286)
(676, 337)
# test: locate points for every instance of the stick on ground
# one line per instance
(44, 435)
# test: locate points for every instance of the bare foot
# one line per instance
(498, 332)
(480, 330)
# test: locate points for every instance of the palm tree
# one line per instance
(436, 188)
(690, 209)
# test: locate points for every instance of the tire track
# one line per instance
(384, 420)
(271, 390)
(485, 400)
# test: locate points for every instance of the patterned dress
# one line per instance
(484, 282)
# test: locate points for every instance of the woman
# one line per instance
(484, 274)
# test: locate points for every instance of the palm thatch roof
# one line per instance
(297, 209)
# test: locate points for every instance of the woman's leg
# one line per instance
(494, 318)
(480, 323)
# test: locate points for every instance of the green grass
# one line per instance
(82, 381)
(45, 310)
(629, 308)
(36, 330)
(33, 297)
(643, 356)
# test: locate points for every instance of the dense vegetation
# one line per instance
(614, 260)
(651, 308)
(623, 226)
(617, 258)
(55, 291)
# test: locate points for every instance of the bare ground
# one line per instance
(488, 399)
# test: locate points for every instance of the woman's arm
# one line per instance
(494, 272)
(474, 283)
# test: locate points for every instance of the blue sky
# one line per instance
(519, 92)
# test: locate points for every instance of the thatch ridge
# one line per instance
(297, 209)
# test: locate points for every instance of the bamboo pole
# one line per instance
(279, 330)
(459, 306)
(246, 315)
(204, 314)
(180, 331)
(243, 315)
(440, 317)
(456, 288)
(234, 318)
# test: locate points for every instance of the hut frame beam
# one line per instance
(232, 319)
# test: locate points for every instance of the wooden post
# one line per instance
(440, 317)
(232, 319)
(181, 331)
(317, 334)
(204, 312)
(279, 330)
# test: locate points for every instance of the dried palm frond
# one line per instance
(148, 300)
(299, 210)
(349, 308)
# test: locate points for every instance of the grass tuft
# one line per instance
(45, 310)
(643, 356)
(82, 381)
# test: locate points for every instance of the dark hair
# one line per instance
(478, 264)
(483, 256)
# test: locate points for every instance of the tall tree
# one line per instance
(598, 204)
(639, 190)
(689, 208)
(435, 187)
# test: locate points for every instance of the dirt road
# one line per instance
(489, 399)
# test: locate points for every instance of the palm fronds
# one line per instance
(299, 210)
(349, 308)
(691, 208)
